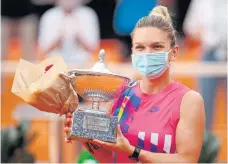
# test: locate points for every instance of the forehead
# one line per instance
(149, 35)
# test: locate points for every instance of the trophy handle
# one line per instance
(65, 76)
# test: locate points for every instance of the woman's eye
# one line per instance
(158, 46)
(139, 47)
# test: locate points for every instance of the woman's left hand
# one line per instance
(121, 145)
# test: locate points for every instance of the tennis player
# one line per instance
(160, 120)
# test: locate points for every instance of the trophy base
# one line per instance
(91, 124)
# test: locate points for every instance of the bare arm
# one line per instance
(189, 134)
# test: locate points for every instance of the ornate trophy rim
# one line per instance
(81, 72)
(99, 69)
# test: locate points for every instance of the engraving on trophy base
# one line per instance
(94, 125)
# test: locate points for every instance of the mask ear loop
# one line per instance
(167, 58)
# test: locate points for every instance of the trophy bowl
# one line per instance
(97, 85)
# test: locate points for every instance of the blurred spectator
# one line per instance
(41, 6)
(18, 17)
(206, 21)
(128, 12)
(14, 143)
(110, 40)
(126, 15)
(70, 30)
(105, 20)
(210, 148)
(181, 8)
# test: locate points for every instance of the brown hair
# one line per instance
(160, 18)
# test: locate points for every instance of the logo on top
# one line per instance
(154, 109)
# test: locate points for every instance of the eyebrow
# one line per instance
(152, 43)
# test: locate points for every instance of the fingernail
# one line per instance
(66, 140)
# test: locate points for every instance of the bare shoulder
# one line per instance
(192, 103)
(192, 96)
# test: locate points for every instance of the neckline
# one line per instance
(140, 93)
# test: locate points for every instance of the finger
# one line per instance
(68, 122)
(69, 115)
(95, 146)
(89, 147)
(101, 143)
(67, 140)
(118, 131)
(67, 130)
(97, 142)
(83, 140)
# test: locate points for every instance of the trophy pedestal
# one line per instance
(94, 124)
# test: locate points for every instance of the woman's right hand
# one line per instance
(67, 128)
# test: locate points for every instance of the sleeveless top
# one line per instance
(149, 121)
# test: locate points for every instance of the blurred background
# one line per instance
(77, 30)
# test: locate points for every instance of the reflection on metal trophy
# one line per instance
(97, 84)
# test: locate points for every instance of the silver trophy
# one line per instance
(97, 84)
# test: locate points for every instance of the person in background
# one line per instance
(18, 17)
(125, 18)
(181, 9)
(105, 20)
(70, 30)
(206, 21)
(18, 20)
(41, 6)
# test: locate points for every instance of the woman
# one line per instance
(160, 120)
